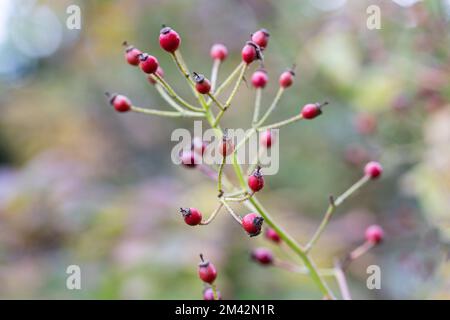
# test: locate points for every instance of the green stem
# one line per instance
(212, 216)
(214, 290)
(257, 106)
(272, 106)
(214, 73)
(178, 58)
(352, 189)
(342, 282)
(167, 98)
(233, 93)
(231, 212)
(291, 243)
(241, 199)
(309, 264)
(294, 268)
(331, 209)
(229, 79)
(217, 102)
(167, 113)
(281, 123)
(174, 95)
(236, 86)
(219, 176)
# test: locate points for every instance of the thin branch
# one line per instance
(229, 79)
(178, 59)
(164, 113)
(331, 209)
(167, 98)
(231, 212)
(217, 102)
(212, 216)
(241, 199)
(272, 106)
(174, 95)
(214, 73)
(282, 123)
(219, 176)
(297, 269)
(232, 94)
(342, 282)
(257, 106)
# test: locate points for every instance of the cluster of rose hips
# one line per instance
(170, 40)
(203, 88)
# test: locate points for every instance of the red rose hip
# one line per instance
(189, 159)
(262, 255)
(208, 294)
(374, 234)
(256, 180)
(266, 138)
(260, 78)
(251, 52)
(207, 271)
(261, 38)
(202, 85)
(120, 102)
(169, 39)
(191, 216)
(272, 235)
(148, 64)
(219, 52)
(252, 223)
(286, 79)
(373, 170)
(132, 54)
(312, 110)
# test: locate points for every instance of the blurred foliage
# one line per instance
(80, 184)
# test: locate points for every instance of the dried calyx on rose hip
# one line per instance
(262, 255)
(202, 85)
(312, 110)
(252, 223)
(373, 170)
(260, 78)
(131, 54)
(169, 39)
(226, 145)
(272, 235)
(206, 271)
(148, 64)
(261, 38)
(251, 52)
(256, 180)
(120, 102)
(208, 294)
(191, 216)
(219, 52)
(287, 78)
(374, 234)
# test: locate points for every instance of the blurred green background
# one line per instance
(81, 184)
